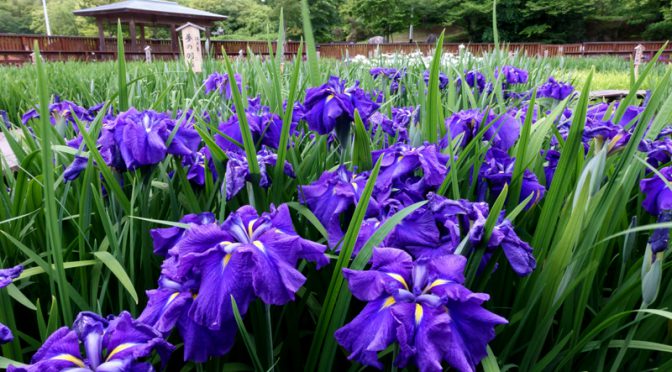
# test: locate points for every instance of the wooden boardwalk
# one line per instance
(7, 157)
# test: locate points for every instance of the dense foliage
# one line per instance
(554, 21)
(456, 211)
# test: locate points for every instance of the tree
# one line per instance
(472, 16)
(14, 18)
(246, 17)
(61, 19)
(324, 17)
(377, 17)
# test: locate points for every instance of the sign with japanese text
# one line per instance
(191, 46)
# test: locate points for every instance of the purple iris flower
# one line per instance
(503, 130)
(667, 131)
(248, 256)
(512, 75)
(95, 109)
(599, 125)
(265, 127)
(391, 74)
(238, 171)
(474, 79)
(332, 106)
(424, 307)
(8, 275)
(5, 119)
(61, 111)
(297, 114)
(118, 343)
(378, 120)
(397, 127)
(443, 79)
(220, 82)
(657, 152)
(555, 89)
(552, 158)
(439, 227)
(197, 163)
(168, 308)
(455, 219)
(401, 162)
(6, 278)
(138, 138)
(402, 120)
(658, 197)
(658, 202)
(517, 252)
(166, 238)
(497, 171)
(660, 238)
(335, 194)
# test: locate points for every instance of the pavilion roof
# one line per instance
(149, 7)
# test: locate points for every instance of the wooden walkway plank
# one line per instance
(7, 157)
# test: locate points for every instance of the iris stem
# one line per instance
(269, 329)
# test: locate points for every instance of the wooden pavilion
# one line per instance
(141, 13)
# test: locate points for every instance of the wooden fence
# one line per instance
(17, 49)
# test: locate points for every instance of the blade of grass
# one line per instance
(54, 237)
(311, 52)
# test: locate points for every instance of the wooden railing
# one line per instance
(17, 49)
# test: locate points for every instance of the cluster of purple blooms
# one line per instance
(331, 107)
(116, 343)
(207, 265)
(135, 139)
(555, 89)
(63, 112)
(392, 75)
(414, 288)
(217, 82)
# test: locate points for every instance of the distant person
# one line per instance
(431, 38)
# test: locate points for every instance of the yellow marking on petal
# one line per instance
(614, 140)
(436, 283)
(354, 185)
(418, 313)
(226, 259)
(259, 245)
(194, 295)
(226, 242)
(172, 297)
(398, 278)
(250, 226)
(70, 358)
(120, 348)
(399, 158)
(388, 302)
(329, 97)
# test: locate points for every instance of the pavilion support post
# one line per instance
(208, 45)
(173, 39)
(142, 34)
(101, 34)
(131, 29)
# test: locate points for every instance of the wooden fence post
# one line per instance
(639, 51)
(148, 54)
